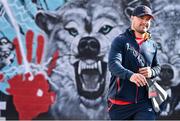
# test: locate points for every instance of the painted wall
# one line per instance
(53, 55)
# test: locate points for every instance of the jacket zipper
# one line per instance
(136, 98)
(136, 94)
(118, 84)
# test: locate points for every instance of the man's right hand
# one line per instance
(138, 79)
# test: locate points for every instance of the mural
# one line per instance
(166, 32)
(53, 56)
(82, 32)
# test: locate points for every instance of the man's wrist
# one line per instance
(129, 75)
(152, 73)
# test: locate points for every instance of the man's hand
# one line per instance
(138, 79)
(146, 71)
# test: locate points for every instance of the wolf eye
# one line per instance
(72, 31)
(105, 29)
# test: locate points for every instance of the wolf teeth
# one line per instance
(91, 90)
(83, 65)
(95, 65)
(99, 67)
(91, 102)
(79, 68)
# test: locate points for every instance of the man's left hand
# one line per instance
(146, 71)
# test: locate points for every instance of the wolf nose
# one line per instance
(167, 72)
(88, 47)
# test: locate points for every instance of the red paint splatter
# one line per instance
(40, 47)
(18, 51)
(52, 64)
(1, 77)
(30, 97)
(29, 44)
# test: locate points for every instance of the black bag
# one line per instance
(157, 94)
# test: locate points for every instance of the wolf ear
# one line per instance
(46, 21)
(128, 12)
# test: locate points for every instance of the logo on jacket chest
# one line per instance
(131, 51)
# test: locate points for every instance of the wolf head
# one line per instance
(82, 31)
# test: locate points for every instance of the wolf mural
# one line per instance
(166, 33)
(82, 31)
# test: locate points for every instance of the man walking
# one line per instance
(132, 60)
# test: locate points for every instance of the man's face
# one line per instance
(141, 24)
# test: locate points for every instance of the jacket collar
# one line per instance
(132, 34)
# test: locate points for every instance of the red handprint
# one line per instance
(31, 96)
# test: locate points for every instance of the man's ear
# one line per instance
(131, 18)
(46, 20)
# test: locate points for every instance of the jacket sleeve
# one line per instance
(115, 59)
(155, 68)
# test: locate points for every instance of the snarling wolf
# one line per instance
(82, 31)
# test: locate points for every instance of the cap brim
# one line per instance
(146, 15)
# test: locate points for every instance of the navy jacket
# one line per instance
(125, 58)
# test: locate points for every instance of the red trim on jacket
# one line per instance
(119, 102)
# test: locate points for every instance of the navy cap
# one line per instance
(142, 10)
